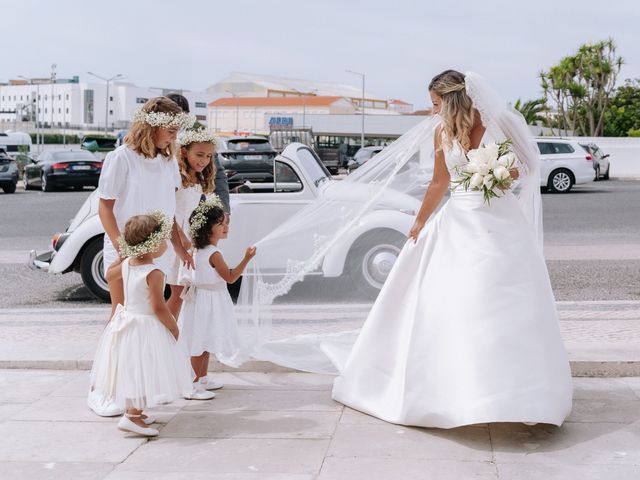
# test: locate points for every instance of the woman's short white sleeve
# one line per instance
(175, 170)
(113, 177)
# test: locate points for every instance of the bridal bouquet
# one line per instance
(488, 170)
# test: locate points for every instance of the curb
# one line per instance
(598, 369)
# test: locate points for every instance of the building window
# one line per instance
(45, 97)
(59, 110)
(110, 112)
(45, 110)
(110, 98)
(141, 100)
(201, 118)
(59, 97)
(67, 110)
(67, 96)
(20, 97)
(201, 105)
(88, 106)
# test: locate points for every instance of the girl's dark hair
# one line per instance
(181, 100)
(200, 237)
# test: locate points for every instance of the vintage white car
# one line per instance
(257, 209)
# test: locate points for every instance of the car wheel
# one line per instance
(597, 177)
(46, 184)
(606, 175)
(371, 259)
(560, 181)
(92, 269)
(10, 188)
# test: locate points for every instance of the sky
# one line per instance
(399, 44)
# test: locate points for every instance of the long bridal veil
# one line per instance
(315, 276)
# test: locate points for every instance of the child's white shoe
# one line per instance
(127, 425)
(149, 419)
(209, 384)
(103, 405)
(199, 393)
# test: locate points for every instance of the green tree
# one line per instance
(532, 111)
(623, 117)
(580, 86)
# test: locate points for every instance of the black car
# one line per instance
(8, 173)
(247, 158)
(62, 168)
(362, 155)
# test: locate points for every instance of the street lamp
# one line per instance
(235, 95)
(361, 106)
(106, 112)
(37, 108)
(304, 103)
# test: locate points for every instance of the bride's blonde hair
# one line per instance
(457, 108)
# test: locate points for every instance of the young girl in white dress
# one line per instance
(138, 177)
(196, 149)
(139, 363)
(207, 320)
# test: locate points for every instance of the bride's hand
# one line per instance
(415, 230)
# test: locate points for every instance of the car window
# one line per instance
(317, 172)
(554, 148)
(248, 144)
(287, 179)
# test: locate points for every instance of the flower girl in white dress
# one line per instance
(196, 148)
(207, 320)
(139, 362)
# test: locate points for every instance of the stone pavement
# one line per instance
(284, 426)
(602, 338)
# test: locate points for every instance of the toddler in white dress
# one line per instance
(207, 320)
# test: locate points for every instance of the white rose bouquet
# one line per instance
(488, 170)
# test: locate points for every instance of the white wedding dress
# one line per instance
(465, 329)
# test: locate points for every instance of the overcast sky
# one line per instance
(399, 44)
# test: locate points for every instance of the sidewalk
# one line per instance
(284, 426)
(602, 338)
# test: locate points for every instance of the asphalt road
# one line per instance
(601, 215)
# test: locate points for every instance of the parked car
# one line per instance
(8, 172)
(62, 168)
(601, 163)
(98, 143)
(300, 179)
(362, 155)
(246, 159)
(563, 164)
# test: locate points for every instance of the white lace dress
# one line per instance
(207, 319)
(465, 329)
(187, 199)
(138, 362)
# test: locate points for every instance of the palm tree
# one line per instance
(533, 110)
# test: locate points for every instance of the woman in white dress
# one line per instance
(465, 329)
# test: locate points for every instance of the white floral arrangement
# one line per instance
(165, 119)
(152, 242)
(488, 170)
(199, 215)
(187, 137)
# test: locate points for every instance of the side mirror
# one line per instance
(606, 155)
(33, 160)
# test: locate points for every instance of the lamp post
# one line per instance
(106, 111)
(304, 102)
(53, 82)
(235, 95)
(361, 106)
(37, 110)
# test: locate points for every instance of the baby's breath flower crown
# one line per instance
(152, 242)
(187, 137)
(199, 218)
(164, 119)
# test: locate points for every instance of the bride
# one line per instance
(465, 329)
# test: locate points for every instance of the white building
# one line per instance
(74, 104)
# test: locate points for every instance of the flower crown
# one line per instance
(199, 216)
(188, 137)
(152, 242)
(164, 119)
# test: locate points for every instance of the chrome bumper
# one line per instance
(40, 262)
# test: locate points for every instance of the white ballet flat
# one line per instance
(126, 425)
(209, 384)
(199, 393)
(149, 419)
(103, 405)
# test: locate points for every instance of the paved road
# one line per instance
(601, 217)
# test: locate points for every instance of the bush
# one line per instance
(56, 138)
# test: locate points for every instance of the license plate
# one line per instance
(81, 167)
(253, 157)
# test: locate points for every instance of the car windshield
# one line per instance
(71, 155)
(250, 144)
(313, 166)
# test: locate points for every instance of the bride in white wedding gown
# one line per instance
(465, 329)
